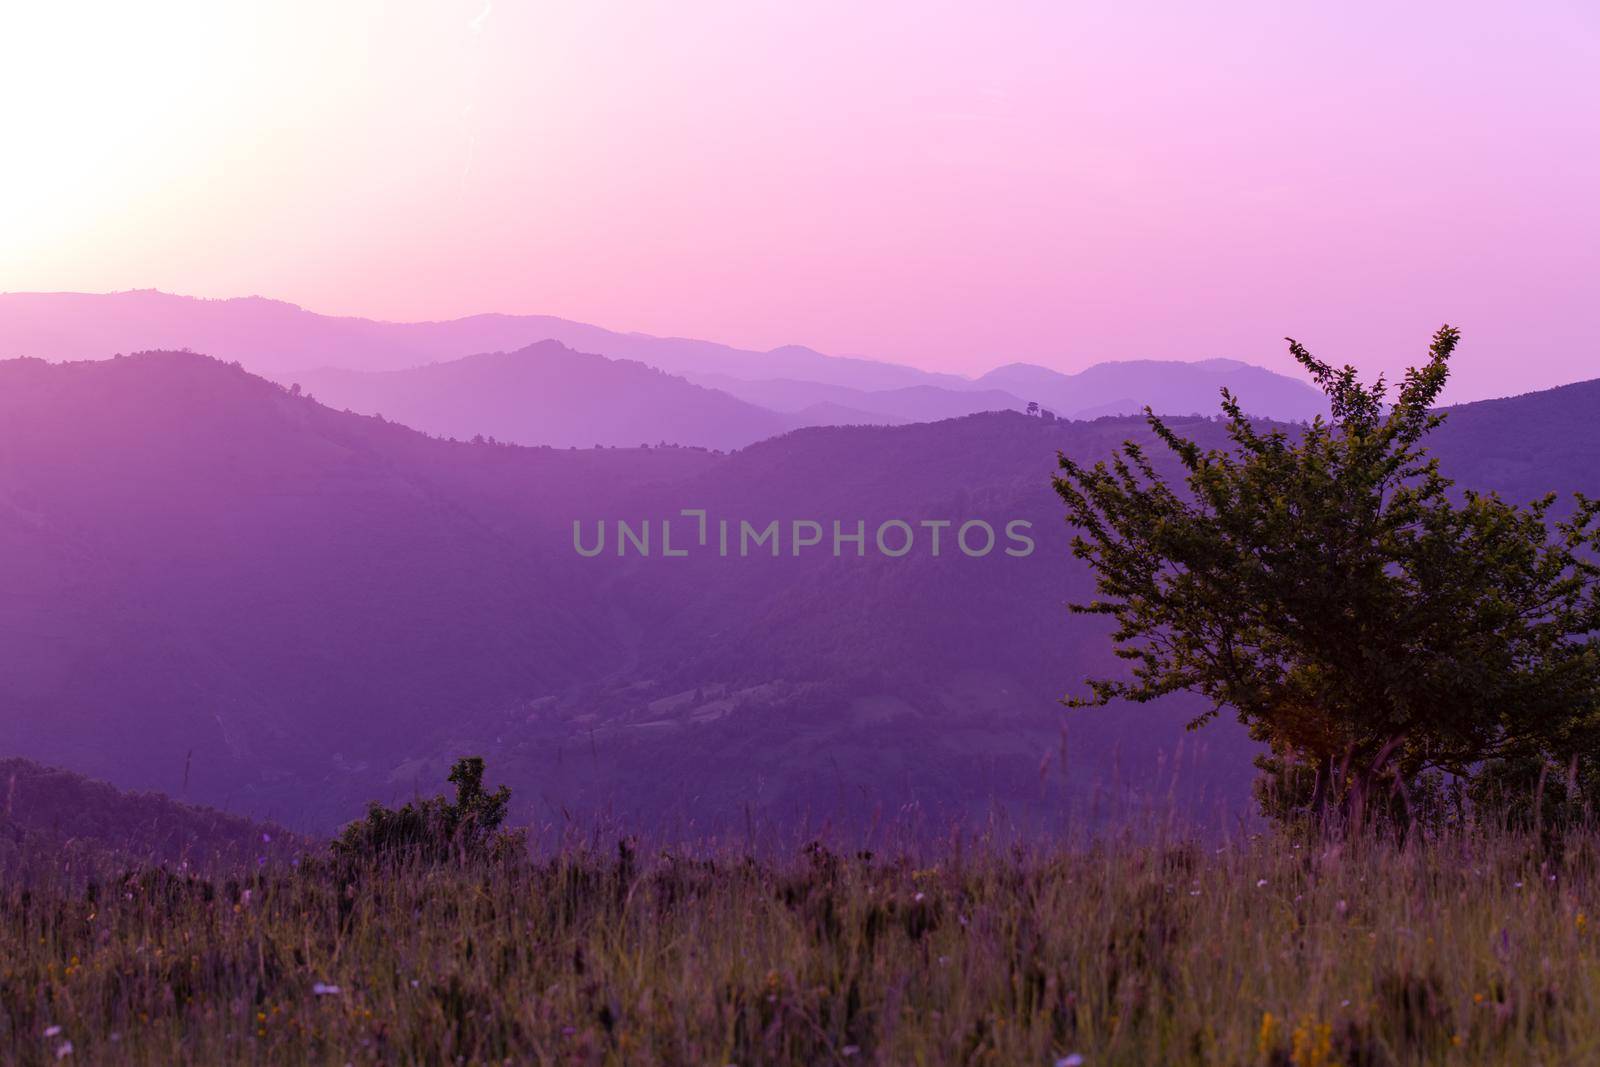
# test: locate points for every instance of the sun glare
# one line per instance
(112, 100)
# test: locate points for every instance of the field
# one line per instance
(1475, 947)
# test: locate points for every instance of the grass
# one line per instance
(1475, 947)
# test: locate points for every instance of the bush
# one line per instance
(435, 830)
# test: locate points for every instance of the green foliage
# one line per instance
(435, 829)
(1384, 635)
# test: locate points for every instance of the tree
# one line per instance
(1383, 634)
(435, 829)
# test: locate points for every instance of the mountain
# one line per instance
(827, 413)
(1170, 387)
(285, 342)
(547, 394)
(1525, 446)
(296, 609)
(913, 403)
(54, 822)
(274, 338)
(293, 609)
(209, 580)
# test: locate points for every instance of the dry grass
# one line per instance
(1476, 947)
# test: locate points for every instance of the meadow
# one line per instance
(1475, 945)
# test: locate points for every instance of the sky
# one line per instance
(950, 185)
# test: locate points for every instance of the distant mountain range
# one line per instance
(548, 394)
(271, 338)
(1170, 387)
(221, 590)
(614, 395)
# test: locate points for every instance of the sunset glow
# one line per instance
(948, 185)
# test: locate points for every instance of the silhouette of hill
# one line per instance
(285, 342)
(1525, 446)
(915, 403)
(547, 394)
(272, 337)
(1170, 387)
(210, 579)
(297, 609)
(53, 822)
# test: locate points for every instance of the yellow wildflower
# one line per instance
(1312, 1045)
(1267, 1039)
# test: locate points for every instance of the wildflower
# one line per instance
(63, 1050)
(850, 1050)
(1074, 1060)
(920, 897)
(1261, 883)
(1312, 1045)
(1582, 921)
(322, 989)
(1267, 1039)
(51, 1031)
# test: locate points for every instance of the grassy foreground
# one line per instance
(1474, 948)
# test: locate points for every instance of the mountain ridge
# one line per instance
(296, 609)
(549, 394)
(279, 339)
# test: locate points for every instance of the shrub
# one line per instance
(435, 829)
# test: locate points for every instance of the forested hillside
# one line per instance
(294, 609)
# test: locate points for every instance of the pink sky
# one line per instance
(951, 185)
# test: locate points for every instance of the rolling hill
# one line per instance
(272, 337)
(288, 343)
(295, 609)
(54, 823)
(1170, 387)
(547, 394)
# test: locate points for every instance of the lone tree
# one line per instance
(1385, 636)
(435, 829)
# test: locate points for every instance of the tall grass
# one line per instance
(1473, 947)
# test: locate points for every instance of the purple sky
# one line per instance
(951, 185)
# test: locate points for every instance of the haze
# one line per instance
(953, 186)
